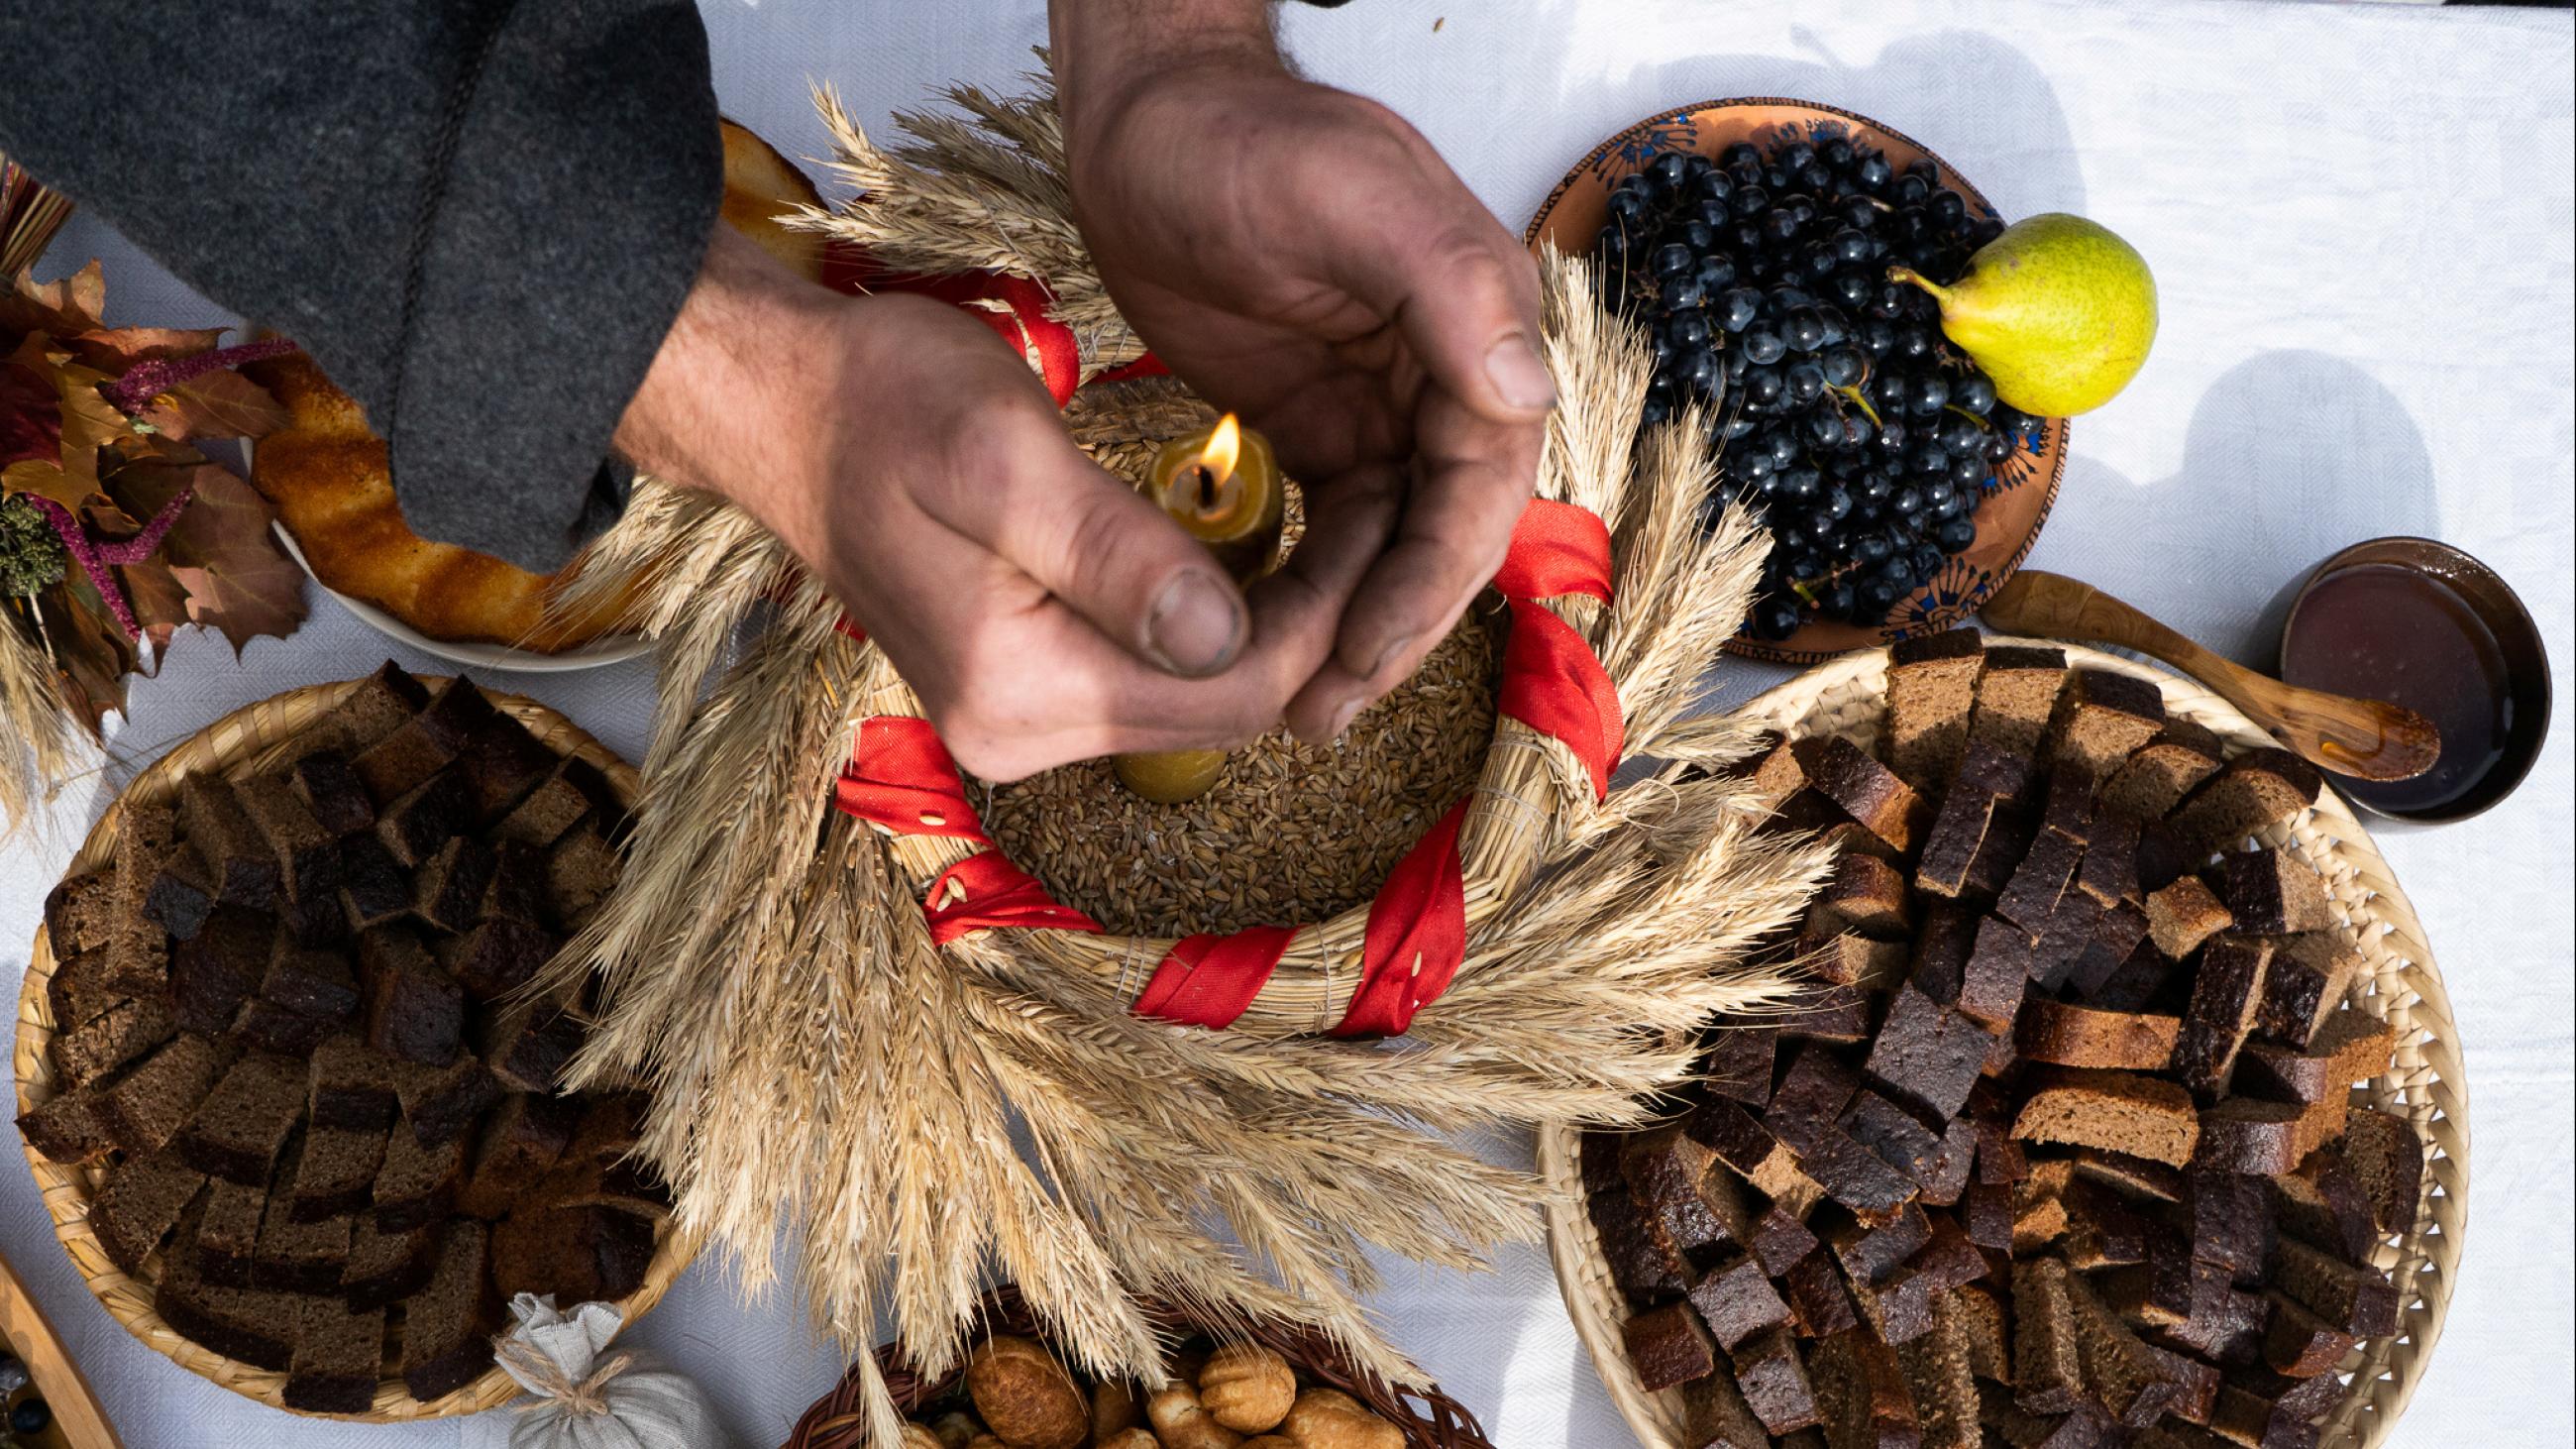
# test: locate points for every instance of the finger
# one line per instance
(1024, 491)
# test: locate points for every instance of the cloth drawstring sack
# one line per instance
(588, 1397)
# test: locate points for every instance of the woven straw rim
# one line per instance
(2424, 1082)
(249, 738)
(1428, 1418)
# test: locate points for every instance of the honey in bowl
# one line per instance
(2376, 623)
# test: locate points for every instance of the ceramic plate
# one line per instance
(478, 656)
(2023, 486)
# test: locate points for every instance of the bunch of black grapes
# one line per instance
(1864, 438)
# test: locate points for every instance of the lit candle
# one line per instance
(1222, 484)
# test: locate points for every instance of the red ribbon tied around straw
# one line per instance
(903, 780)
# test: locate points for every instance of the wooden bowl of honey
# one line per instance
(2419, 623)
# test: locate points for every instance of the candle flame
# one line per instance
(1224, 448)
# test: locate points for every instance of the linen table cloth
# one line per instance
(2359, 219)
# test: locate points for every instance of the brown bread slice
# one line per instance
(336, 1175)
(333, 793)
(373, 708)
(236, 1132)
(212, 819)
(2016, 695)
(1950, 846)
(375, 889)
(81, 914)
(2259, 1409)
(386, 1267)
(522, 1139)
(182, 894)
(1996, 975)
(339, 1355)
(138, 960)
(1939, 1372)
(1811, 1095)
(568, 793)
(212, 971)
(299, 1257)
(1870, 1253)
(2271, 892)
(445, 1323)
(1735, 1301)
(147, 833)
(2151, 782)
(2353, 1297)
(2183, 914)
(1926, 1054)
(2109, 873)
(497, 956)
(581, 870)
(94, 1049)
(2243, 1134)
(255, 1326)
(1664, 1170)
(2351, 1046)
(145, 1107)
(441, 1104)
(2230, 1218)
(1667, 1346)
(2386, 1156)
(307, 855)
(400, 762)
(2309, 977)
(503, 762)
(350, 1085)
(1715, 1416)
(1869, 792)
(1848, 959)
(2080, 1036)
(2300, 1345)
(415, 1012)
(1738, 1061)
(1771, 1378)
(1819, 1303)
(137, 1204)
(2132, 1177)
(1861, 1391)
(1931, 688)
(2013, 1427)
(80, 992)
(1834, 1014)
(2008, 839)
(2102, 717)
(2257, 789)
(2225, 997)
(528, 1043)
(412, 826)
(1778, 1238)
(2117, 1111)
(1988, 1329)
(2118, 1371)
(227, 1234)
(1865, 895)
(1893, 1133)
(1939, 964)
(2322, 1202)
(518, 888)
(2030, 897)
(448, 888)
(416, 1184)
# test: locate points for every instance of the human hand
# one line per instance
(1043, 610)
(1301, 256)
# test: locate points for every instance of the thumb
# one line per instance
(1098, 546)
(1460, 291)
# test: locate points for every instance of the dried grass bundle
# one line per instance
(929, 1115)
(39, 736)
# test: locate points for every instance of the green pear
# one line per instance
(2057, 310)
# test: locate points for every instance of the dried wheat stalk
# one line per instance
(38, 736)
(817, 1063)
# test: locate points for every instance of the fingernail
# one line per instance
(1518, 375)
(1196, 623)
(1393, 651)
(1342, 718)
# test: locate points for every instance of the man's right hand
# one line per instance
(1043, 610)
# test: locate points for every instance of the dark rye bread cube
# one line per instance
(2355, 1298)
(253, 1326)
(212, 971)
(1893, 1133)
(147, 832)
(570, 791)
(1810, 1097)
(1986, 1324)
(145, 1107)
(1944, 1385)
(2101, 1231)
(524, 1136)
(1945, 1177)
(241, 861)
(2048, 1367)
(1939, 964)
(2103, 716)
(1737, 1139)
(1778, 1238)
(138, 961)
(2183, 914)
(1996, 976)
(2262, 1410)
(1871, 1253)
(79, 991)
(1736, 1060)
(1987, 768)
(182, 893)
(2124, 1112)
(2229, 1218)
(1862, 1393)
(299, 1257)
(2118, 931)
(70, 1127)
(1771, 1377)
(1864, 895)
(1927, 1055)
(333, 793)
(316, 983)
(581, 870)
(2017, 695)
(2131, 1177)
(2308, 978)
(1715, 1416)
(2030, 897)
(2070, 933)
(416, 1184)
(236, 1132)
(2386, 1155)
(414, 1011)
(442, 1104)
(2225, 997)
(2008, 839)
(350, 1085)
(1664, 1169)
(2297, 1344)
(2321, 1201)
(386, 1267)
(263, 1025)
(375, 890)
(413, 825)
(373, 708)
(1636, 1264)
(1905, 1305)
(445, 1324)
(2242, 1134)
(1869, 793)
(339, 1355)
(307, 854)
(1950, 847)
(448, 889)
(1931, 689)
(137, 1204)
(1667, 1346)
(334, 1176)
(92, 1050)
(2109, 873)
(1735, 1301)
(2351, 1046)
(518, 888)
(2066, 804)
(2143, 981)
(1853, 1175)
(1834, 1014)
(2257, 789)
(1820, 1306)
(2064, 1034)
(2270, 892)
(399, 763)
(503, 762)
(227, 1237)
(81, 914)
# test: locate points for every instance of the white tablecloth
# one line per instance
(2359, 217)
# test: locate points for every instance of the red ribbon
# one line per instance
(1552, 681)
(985, 891)
(1020, 311)
(1557, 548)
(901, 777)
(1209, 980)
(1417, 934)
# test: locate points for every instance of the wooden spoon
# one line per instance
(2369, 739)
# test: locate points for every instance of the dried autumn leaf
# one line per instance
(217, 405)
(221, 550)
(31, 416)
(159, 600)
(88, 647)
(65, 307)
(85, 422)
(115, 349)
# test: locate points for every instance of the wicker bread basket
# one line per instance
(2424, 1082)
(1429, 1418)
(246, 740)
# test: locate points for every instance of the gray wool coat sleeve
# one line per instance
(479, 216)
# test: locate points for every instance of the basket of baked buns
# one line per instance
(282, 1076)
(2126, 1109)
(1255, 1386)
